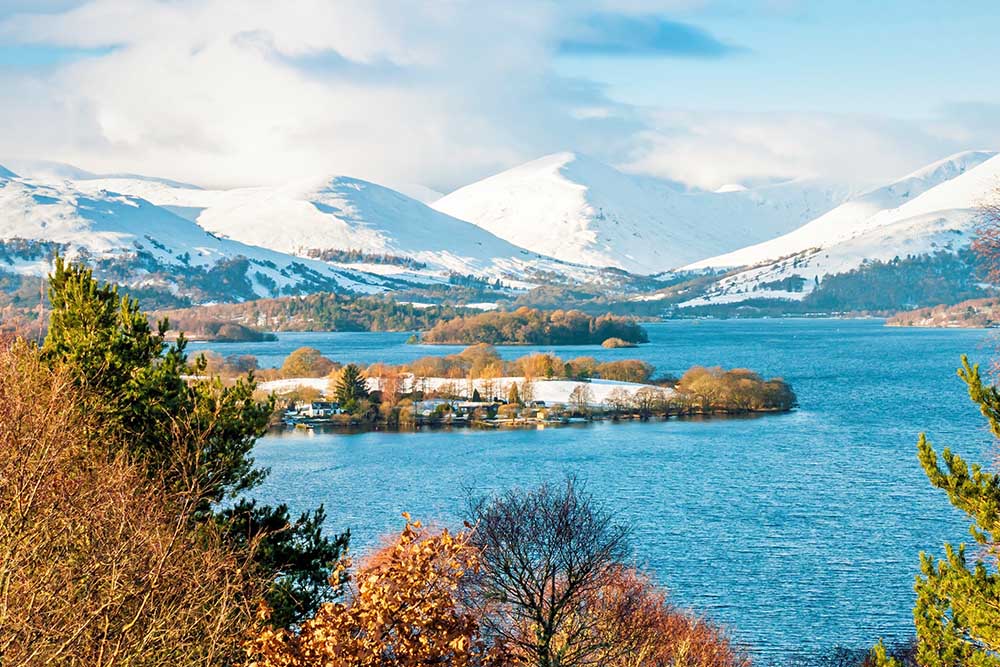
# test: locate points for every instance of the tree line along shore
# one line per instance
(478, 387)
(438, 324)
(971, 314)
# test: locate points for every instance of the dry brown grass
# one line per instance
(98, 564)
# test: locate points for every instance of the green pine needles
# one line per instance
(351, 388)
(194, 433)
(957, 613)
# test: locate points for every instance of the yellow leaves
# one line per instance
(406, 610)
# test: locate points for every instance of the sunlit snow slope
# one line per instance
(577, 209)
(935, 209)
(146, 244)
(344, 214)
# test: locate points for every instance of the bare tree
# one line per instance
(986, 245)
(527, 390)
(545, 553)
(649, 401)
(619, 400)
(581, 398)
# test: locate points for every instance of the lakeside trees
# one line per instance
(306, 362)
(738, 389)
(478, 373)
(324, 311)
(530, 326)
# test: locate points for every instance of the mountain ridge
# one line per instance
(572, 207)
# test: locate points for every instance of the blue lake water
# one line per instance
(800, 532)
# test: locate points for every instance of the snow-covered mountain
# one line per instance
(852, 217)
(574, 213)
(932, 210)
(143, 244)
(577, 209)
(340, 213)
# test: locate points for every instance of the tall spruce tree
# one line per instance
(513, 395)
(351, 388)
(192, 434)
(957, 613)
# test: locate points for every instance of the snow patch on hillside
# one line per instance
(348, 214)
(107, 225)
(858, 215)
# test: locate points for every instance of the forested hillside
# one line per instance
(317, 312)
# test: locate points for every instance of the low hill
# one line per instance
(528, 326)
(971, 314)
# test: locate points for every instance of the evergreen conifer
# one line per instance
(192, 433)
(957, 613)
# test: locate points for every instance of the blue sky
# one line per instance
(440, 93)
(30, 56)
(898, 58)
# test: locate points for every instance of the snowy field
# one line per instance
(549, 391)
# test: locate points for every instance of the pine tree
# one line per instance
(351, 387)
(193, 435)
(957, 613)
(514, 396)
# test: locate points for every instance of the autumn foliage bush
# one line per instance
(99, 565)
(404, 608)
(709, 389)
(545, 588)
(642, 629)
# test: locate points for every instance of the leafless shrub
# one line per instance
(544, 553)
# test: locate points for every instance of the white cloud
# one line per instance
(233, 92)
(710, 149)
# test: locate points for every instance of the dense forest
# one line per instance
(324, 311)
(529, 326)
(875, 288)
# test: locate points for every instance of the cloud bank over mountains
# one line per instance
(248, 92)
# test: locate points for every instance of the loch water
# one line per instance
(800, 532)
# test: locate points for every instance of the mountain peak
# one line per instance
(564, 162)
(578, 209)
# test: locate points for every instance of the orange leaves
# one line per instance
(404, 609)
(631, 617)
(435, 598)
